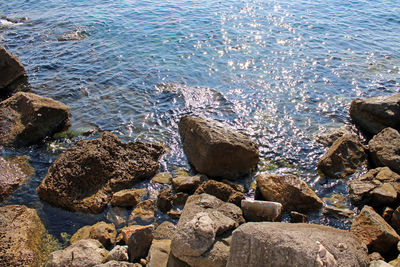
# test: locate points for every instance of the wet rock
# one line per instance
(297, 217)
(372, 229)
(138, 238)
(186, 184)
(174, 214)
(101, 166)
(327, 139)
(83, 253)
(375, 188)
(289, 190)
(216, 150)
(387, 214)
(26, 118)
(180, 199)
(118, 264)
(384, 149)
(11, 177)
(23, 238)
(10, 68)
(101, 231)
(23, 163)
(343, 157)
(257, 211)
(118, 253)
(118, 216)
(286, 244)
(166, 230)
(159, 253)
(376, 113)
(162, 178)
(395, 220)
(337, 213)
(164, 200)
(125, 198)
(76, 35)
(222, 191)
(143, 213)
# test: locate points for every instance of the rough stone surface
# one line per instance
(118, 216)
(101, 231)
(384, 149)
(343, 158)
(26, 118)
(125, 198)
(285, 244)
(376, 113)
(329, 138)
(143, 213)
(377, 234)
(10, 68)
(165, 199)
(174, 213)
(159, 253)
(162, 178)
(166, 230)
(379, 263)
(258, 211)
(222, 191)
(180, 199)
(216, 150)
(297, 217)
(118, 264)
(11, 177)
(374, 256)
(101, 166)
(118, 253)
(395, 219)
(387, 214)
(337, 213)
(138, 238)
(289, 190)
(186, 184)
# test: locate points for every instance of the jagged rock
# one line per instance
(289, 190)
(297, 217)
(164, 200)
(162, 178)
(143, 212)
(125, 198)
(343, 158)
(159, 253)
(118, 216)
(101, 231)
(222, 191)
(118, 253)
(186, 184)
(384, 149)
(180, 199)
(257, 211)
(11, 177)
(376, 113)
(216, 150)
(100, 166)
(138, 238)
(328, 139)
(372, 229)
(166, 230)
(286, 244)
(10, 68)
(337, 213)
(26, 118)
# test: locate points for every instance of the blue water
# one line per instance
(281, 71)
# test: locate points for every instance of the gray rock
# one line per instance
(159, 253)
(10, 68)
(118, 264)
(329, 138)
(384, 149)
(186, 184)
(138, 238)
(216, 150)
(166, 230)
(376, 113)
(284, 244)
(118, 253)
(118, 216)
(257, 211)
(101, 231)
(379, 263)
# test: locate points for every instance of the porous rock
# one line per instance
(10, 68)
(384, 149)
(165, 230)
(165, 199)
(125, 198)
(11, 177)
(222, 191)
(118, 253)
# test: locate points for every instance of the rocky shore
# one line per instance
(216, 224)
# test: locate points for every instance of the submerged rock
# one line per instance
(216, 150)
(385, 149)
(76, 35)
(26, 118)
(162, 178)
(10, 68)
(222, 191)
(11, 177)
(143, 213)
(327, 139)
(297, 217)
(85, 176)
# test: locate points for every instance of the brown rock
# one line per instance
(159, 253)
(327, 139)
(166, 230)
(372, 229)
(384, 149)
(26, 118)
(100, 166)
(143, 212)
(162, 178)
(343, 157)
(375, 256)
(258, 211)
(289, 190)
(10, 68)
(297, 217)
(216, 150)
(387, 214)
(164, 200)
(11, 177)
(180, 199)
(138, 238)
(125, 198)
(174, 214)
(395, 220)
(337, 213)
(222, 191)
(186, 184)
(101, 231)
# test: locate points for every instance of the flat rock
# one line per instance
(384, 149)
(327, 139)
(343, 158)
(289, 190)
(143, 213)
(337, 213)
(258, 211)
(222, 191)
(286, 244)
(125, 198)
(159, 253)
(186, 184)
(10, 68)
(215, 149)
(26, 118)
(375, 232)
(101, 166)
(376, 113)
(162, 178)
(11, 177)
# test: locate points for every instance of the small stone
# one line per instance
(337, 213)
(384, 149)
(118, 264)
(222, 191)
(374, 256)
(125, 198)
(166, 230)
(162, 178)
(180, 199)
(143, 212)
(138, 238)
(118, 253)
(186, 184)
(143, 262)
(11, 177)
(118, 216)
(387, 214)
(174, 214)
(384, 194)
(379, 263)
(297, 217)
(164, 200)
(256, 210)
(327, 139)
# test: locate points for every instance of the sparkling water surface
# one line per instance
(280, 71)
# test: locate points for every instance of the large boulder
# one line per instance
(11, 177)
(385, 149)
(100, 166)
(376, 113)
(10, 68)
(289, 190)
(222, 191)
(216, 150)
(23, 238)
(285, 244)
(26, 118)
(344, 156)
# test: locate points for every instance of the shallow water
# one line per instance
(281, 71)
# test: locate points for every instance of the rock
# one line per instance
(216, 150)
(143, 213)
(289, 190)
(162, 178)
(125, 198)
(82, 233)
(222, 191)
(26, 118)
(118, 216)
(387, 214)
(164, 200)
(174, 214)
(374, 256)
(343, 157)
(297, 217)
(101, 166)
(180, 199)
(375, 188)
(327, 139)
(384, 149)
(118, 264)
(395, 262)
(23, 238)
(372, 229)
(101, 231)
(138, 238)
(186, 184)
(83, 253)
(337, 213)
(257, 211)
(166, 230)
(23, 163)
(76, 35)
(118, 253)
(286, 244)
(376, 113)
(10, 68)
(11, 177)
(379, 263)
(159, 253)
(395, 220)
